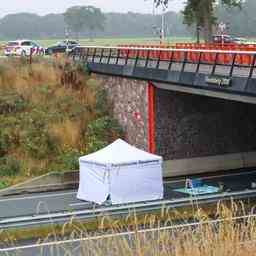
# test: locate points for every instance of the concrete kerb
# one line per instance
(50, 182)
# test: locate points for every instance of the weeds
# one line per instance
(46, 110)
(154, 234)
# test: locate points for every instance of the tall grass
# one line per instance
(155, 235)
(45, 110)
(228, 237)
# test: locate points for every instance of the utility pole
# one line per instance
(162, 33)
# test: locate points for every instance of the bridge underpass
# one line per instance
(198, 113)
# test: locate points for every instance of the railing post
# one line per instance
(184, 62)
(101, 55)
(159, 58)
(118, 56)
(109, 56)
(199, 62)
(251, 71)
(171, 61)
(233, 64)
(137, 58)
(215, 64)
(147, 59)
(93, 55)
(127, 57)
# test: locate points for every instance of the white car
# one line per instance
(23, 48)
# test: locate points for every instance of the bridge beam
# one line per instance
(207, 93)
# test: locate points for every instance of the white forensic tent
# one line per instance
(120, 171)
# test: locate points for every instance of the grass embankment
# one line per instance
(51, 113)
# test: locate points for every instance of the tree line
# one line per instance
(88, 21)
(29, 25)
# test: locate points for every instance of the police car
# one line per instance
(23, 48)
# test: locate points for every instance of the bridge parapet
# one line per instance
(228, 71)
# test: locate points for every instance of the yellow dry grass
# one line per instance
(228, 238)
(57, 91)
(68, 132)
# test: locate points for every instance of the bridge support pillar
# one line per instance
(151, 118)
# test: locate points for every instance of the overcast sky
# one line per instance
(57, 6)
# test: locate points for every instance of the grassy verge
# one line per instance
(130, 221)
(51, 112)
(228, 236)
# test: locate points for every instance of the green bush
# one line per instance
(39, 144)
(101, 132)
(9, 166)
(69, 159)
(3, 184)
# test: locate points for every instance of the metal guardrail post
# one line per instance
(118, 56)
(184, 62)
(109, 56)
(171, 61)
(147, 59)
(251, 71)
(93, 55)
(198, 67)
(137, 58)
(233, 65)
(127, 57)
(101, 55)
(199, 62)
(215, 63)
(159, 59)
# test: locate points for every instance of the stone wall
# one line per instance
(129, 99)
(190, 126)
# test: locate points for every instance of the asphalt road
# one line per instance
(59, 202)
(36, 204)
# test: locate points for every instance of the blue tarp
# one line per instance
(203, 190)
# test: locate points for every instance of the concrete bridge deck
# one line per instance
(222, 72)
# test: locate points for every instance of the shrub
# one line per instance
(9, 166)
(69, 159)
(3, 184)
(101, 132)
(39, 144)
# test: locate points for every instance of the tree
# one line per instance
(80, 18)
(202, 13)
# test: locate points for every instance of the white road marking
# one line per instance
(124, 207)
(128, 233)
(37, 197)
(79, 204)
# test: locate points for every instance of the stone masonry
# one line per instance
(129, 99)
(190, 126)
(186, 125)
